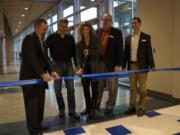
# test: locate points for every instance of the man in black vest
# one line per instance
(35, 65)
(62, 51)
(138, 55)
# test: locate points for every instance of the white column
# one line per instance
(60, 10)
(108, 7)
(8, 45)
(77, 18)
(100, 12)
(1, 54)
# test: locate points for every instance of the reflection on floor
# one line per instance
(12, 115)
(161, 122)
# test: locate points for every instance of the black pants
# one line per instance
(86, 82)
(34, 97)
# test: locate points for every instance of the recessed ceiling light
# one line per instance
(18, 26)
(92, 0)
(23, 15)
(20, 22)
(26, 8)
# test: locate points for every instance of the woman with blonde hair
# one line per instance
(87, 54)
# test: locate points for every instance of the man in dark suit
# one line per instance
(35, 65)
(111, 60)
(138, 55)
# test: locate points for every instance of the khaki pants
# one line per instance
(141, 79)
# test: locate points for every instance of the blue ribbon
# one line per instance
(94, 76)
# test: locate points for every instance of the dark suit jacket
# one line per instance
(94, 53)
(145, 58)
(114, 51)
(34, 59)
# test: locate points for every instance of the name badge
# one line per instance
(143, 40)
(111, 36)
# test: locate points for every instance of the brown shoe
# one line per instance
(140, 112)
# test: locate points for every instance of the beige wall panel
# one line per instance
(176, 75)
(157, 20)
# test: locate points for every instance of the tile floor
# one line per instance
(12, 115)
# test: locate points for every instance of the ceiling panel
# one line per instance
(14, 9)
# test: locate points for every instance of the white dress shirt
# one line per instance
(40, 41)
(134, 46)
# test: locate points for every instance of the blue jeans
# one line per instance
(65, 69)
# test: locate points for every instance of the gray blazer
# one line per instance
(94, 53)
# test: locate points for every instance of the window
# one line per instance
(55, 27)
(123, 12)
(72, 32)
(82, 7)
(49, 21)
(95, 26)
(89, 14)
(54, 18)
(71, 21)
(68, 11)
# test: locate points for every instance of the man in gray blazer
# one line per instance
(138, 55)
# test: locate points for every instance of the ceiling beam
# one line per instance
(43, 1)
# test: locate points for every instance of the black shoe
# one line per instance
(97, 107)
(85, 112)
(40, 133)
(140, 112)
(61, 113)
(91, 114)
(74, 116)
(130, 111)
(108, 112)
(44, 128)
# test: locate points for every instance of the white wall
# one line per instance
(160, 19)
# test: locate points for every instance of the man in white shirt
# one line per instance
(138, 55)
